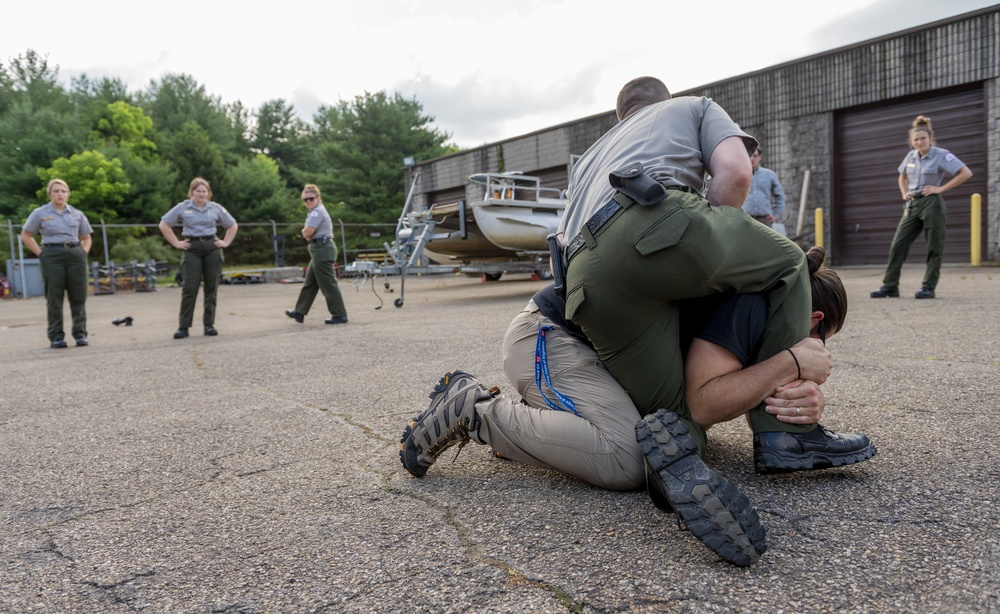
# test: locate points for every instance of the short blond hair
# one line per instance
(197, 181)
(52, 182)
(312, 188)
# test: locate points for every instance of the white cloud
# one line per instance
(485, 70)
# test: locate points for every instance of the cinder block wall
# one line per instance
(790, 109)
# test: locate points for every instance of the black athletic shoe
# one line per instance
(336, 320)
(778, 452)
(210, 331)
(925, 292)
(711, 507)
(81, 341)
(58, 344)
(181, 333)
(884, 291)
(295, 315)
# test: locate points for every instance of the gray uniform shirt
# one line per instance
(66, 226)
(198, 222)
(766, 196)
(673, 140)
(928, 170)
(319, 219)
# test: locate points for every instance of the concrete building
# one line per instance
(839, 118)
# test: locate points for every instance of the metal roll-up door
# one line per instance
(870, 143)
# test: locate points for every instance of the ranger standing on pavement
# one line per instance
(321, 275)
(921, 174)
(63, 258)
(202, 259)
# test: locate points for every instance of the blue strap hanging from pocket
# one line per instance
(542, 370)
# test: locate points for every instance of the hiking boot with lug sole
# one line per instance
(778, 452)
(447, 420)
(710, 506)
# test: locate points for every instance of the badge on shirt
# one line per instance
(949, 157)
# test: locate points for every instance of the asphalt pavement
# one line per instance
(258, 471)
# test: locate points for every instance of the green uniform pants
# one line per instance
(64, 272)
(200, 262)
(321, 277)
(927, 214)
(624, 288)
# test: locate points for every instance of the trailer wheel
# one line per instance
(491, 276)
(543, 274)
(398, 302)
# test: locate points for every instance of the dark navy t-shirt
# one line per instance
(733, 321)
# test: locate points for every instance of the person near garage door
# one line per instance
(921, 175)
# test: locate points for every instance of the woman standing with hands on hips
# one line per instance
(202, 250)
(63, 258)
(921, 184)
(320, 276)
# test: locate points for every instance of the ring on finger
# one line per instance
(798, 411)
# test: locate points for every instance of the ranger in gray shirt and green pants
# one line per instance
(922, 176)
(202, 259)
(63, 258)
(321, 275)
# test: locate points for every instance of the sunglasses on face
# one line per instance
(308, 199)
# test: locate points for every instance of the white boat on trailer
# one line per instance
(503, 232)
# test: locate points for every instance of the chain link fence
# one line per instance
(136, 252)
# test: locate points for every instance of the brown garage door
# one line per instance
(870, 143)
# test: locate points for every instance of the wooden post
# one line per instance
(802, 204)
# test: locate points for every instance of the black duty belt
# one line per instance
(321, 240)
(601, 219)
(204, 238)
(66, 244)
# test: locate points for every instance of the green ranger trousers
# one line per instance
(927, 214)
(321, 277)
(64, 273)
(202, 262)
(624, 288)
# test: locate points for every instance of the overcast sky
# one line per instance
(484, 70)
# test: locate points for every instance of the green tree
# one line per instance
(193, 153)
(124, 125)
(92, 97)
(38, 124)
(361, 146)
(255, 192)
(176, 101)
(281, 135)
(97, 185)
(30, 78)
(153, 186)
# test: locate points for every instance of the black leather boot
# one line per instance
(778, 452)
